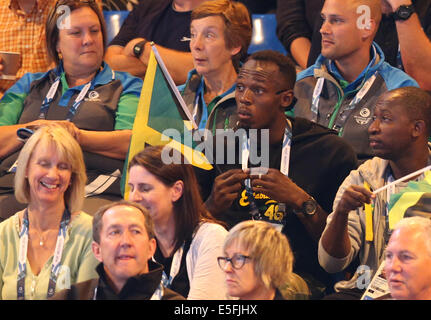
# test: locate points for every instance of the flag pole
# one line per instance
(411, 175)
(173, 86)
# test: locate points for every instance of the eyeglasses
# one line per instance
(237, 261)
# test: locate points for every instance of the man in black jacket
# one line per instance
(124, 243)
(294, 194)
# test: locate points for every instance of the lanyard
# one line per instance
(157, 295)
(50, 96)
(284, 166)
(345, 113)
(22, 256)
(204, 116)
(72, 111)
(355, 101)
(175, 267)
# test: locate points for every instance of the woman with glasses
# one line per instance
(220, 35)
(189, 239)
(82, 94)
(258, 264)
(47, 246)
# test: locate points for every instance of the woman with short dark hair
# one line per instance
(220, 35)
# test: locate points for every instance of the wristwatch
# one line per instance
(403, 12)
(139, 48)
(309, 206)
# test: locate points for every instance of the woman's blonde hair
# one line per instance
(68, 150)
(269, 249)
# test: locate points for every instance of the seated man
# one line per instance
(298, 24)
(165, 22)
(408, 260)
(339, 91)
(295, 195)
(124, 243)
(399, 138)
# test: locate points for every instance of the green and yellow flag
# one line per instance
(162, 118)
(414, 200)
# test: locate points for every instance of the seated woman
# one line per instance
(258, 264)
(220, 35)
(188, 237)
(95, 104)
(47, 246)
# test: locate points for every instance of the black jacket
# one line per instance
(140, 287)
(319, 162)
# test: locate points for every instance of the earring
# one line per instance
(60, 56)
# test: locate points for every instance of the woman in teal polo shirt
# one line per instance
(82, 94)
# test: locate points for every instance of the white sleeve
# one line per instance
(207, 281)
(354, 228)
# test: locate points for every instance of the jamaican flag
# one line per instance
(414, 200)
(162, 118)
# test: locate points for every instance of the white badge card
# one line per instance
(378, 288)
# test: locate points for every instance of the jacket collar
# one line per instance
(377, 59)
(139, 287)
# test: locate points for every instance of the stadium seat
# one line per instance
(264, 34)
(114, 20)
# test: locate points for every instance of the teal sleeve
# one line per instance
(126, 112)
(12, 103)
(11, 108)
(129, 100)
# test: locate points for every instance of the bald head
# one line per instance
(375, 7)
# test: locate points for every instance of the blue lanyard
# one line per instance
(50, 97)
(22, 256)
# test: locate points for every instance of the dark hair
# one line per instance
(56, 13)
(284, 63)
(189, 209)
(415, 101)
(237, 20)
(98, 218)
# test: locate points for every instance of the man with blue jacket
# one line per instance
(340, 90)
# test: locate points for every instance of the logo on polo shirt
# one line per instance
(93, 96)
(364, 116)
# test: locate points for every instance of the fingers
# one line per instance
(361, 193)
(354, 197)
(231, 177)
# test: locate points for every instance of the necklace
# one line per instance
(41, 238)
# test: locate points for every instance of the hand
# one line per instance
(69, 126)
(128, 49)
(280, 188)
(353, 198)
(225, 190)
